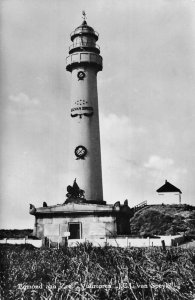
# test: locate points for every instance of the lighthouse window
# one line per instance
(75, 230)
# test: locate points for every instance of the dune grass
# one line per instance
(87, 272)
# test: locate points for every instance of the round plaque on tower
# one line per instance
(80, 152)
(81, 75)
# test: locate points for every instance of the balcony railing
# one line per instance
(83, 57)
(84, 45)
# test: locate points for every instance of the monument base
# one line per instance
(82, 219)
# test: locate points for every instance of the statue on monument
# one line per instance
(74, 192)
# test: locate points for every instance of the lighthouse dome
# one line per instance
(85, 30)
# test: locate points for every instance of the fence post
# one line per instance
(44, 241)
(65, 242)
(163, 245)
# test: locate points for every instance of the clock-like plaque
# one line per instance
(81, 75)
(80, 152)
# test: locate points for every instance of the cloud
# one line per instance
(160, 168)
(158, 163)
(24, 100)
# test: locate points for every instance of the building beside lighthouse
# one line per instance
(169, 194)
(84, 213)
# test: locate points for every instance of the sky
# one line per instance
(146, 100)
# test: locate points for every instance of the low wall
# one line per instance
(36, 243)
(131, 242)
(123, 242)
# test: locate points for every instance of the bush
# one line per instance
(163, 220)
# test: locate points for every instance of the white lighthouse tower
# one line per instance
(84, 62)
(84, 214)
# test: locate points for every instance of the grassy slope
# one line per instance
(164, 220)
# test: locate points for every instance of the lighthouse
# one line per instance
(84, 62)
(84, 214)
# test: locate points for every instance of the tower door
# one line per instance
(75, 230)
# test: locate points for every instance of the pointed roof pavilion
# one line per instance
(168, 188)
